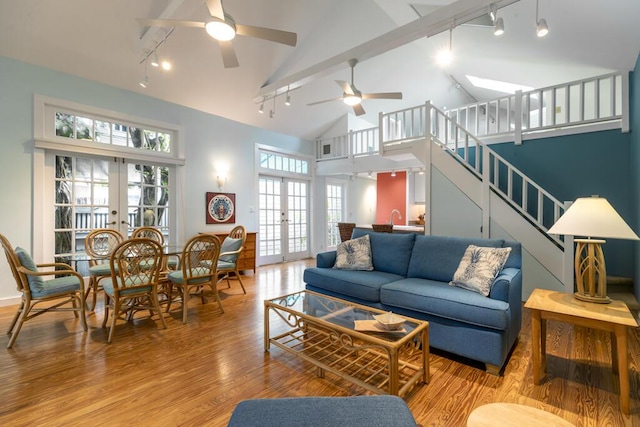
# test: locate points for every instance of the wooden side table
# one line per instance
(563, 307)
(247, 259)
(513, 415)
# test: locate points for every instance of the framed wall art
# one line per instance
(221, 208)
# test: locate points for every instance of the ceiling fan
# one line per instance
(353, 97)
(222, 27)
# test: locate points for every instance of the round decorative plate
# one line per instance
(220, 208)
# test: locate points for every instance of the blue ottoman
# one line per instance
(371, 411)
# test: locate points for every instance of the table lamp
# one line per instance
(592, 217)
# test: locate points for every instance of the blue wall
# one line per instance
(581, 165)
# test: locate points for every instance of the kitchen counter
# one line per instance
(399, 228)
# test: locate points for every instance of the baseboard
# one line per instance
(5, 302)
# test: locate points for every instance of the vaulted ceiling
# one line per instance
(102, 41)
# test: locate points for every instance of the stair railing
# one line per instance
(521, 192)
(355, 143)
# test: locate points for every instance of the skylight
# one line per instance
(497, 85)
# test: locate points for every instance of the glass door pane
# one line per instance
(297, 219)
(270, 220)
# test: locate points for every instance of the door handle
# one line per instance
(122, 222)
(112, 223)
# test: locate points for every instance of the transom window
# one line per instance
(283, 163)
(86, 128)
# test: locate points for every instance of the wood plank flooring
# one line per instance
(195, 374)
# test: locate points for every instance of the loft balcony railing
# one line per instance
(363, 142)
(594, 100)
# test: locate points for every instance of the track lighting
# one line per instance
(498, 28)
(273, 110)
(155, 62)
(369, 174)
(393, 173)
(542, 29)
(261, 109)
(421, 171)
(145, 81)
(271, 113)
(287, 100)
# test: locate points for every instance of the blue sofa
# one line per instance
(411, 277)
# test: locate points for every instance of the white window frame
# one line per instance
(45, 141)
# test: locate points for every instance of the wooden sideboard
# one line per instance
(247, 259)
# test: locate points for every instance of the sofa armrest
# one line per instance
(326, 259)
(507, 286)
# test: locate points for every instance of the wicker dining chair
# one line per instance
(133, 285)
(230, 251)
(99, 245)
(66, 287)
(382, 228)
(346, 229)
(198, 268)
(156, 235)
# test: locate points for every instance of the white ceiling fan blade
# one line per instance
(346, 87)
(358, 109)
(229, 57)
(283, 37)
(326, 100)
(169, 23)
(382, 95)
(215, 9)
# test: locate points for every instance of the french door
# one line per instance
(97, 192)
(283, 219)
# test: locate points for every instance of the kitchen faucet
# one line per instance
(391, 218)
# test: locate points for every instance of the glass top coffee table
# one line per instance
(325, 331)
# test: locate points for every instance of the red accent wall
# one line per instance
(391, 194)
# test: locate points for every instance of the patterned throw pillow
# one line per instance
(479, 267)
(354, 254)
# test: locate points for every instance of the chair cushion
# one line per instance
(100, 270)
(479, 267)
(36, 283)
(107, 285)
(60, 285)
(230, 244)
(354, 254)
(224, 265)
(178, 277)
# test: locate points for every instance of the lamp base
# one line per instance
(589, 298)
(591, 272)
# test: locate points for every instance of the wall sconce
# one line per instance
(221, 174)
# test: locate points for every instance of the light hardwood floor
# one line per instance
(196, 374)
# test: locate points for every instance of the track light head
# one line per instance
(261, 109)
(271, 113)
(154, 61)
(144, 82)
(542, 29)
(498, 28)
(287, 100)
(393, 173)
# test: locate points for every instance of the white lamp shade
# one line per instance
(593, 217)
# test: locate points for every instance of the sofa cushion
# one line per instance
(479, 267)
(390, 252)
(354, 254)
(439, 299)
(437, 257)
(364, 285)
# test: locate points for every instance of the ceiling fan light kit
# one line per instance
(221, 30)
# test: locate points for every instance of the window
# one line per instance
(283, 163)
(335, 213)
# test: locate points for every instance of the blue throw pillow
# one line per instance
(36, 283)
(230, 245)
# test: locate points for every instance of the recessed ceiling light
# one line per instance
(497, 85)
